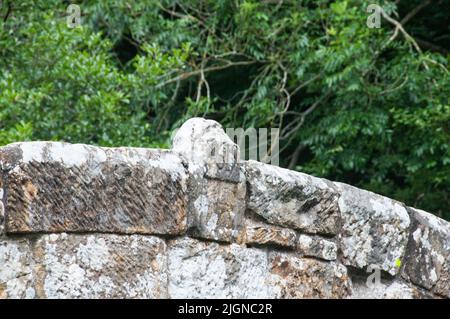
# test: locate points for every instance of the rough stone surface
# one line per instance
(101, 266)
(57, 187)
(2, 205)
(391, 290)
(295, 277)
(209, 270)
(292, 199)
(216, 210)
(315, 246)
(76, 220)
(205, 145)
(428, 253)
(374, 229)
(16, 269)
(259, 233)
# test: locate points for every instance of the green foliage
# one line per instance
(359, 105)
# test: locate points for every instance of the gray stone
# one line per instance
(216, 185)
(391, 290)
(295, 277)
(206, 146)
(2, 205)
(209, 270)
(374, 229)
(58, 187)
(216, 210)
(292, 199)
(427, 260)
(315, 246)
(100, 266)
(259, 233)
(16, 277)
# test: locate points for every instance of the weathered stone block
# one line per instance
(205, 145)
(16, 278)
(374, 229)
(292, 199)
(217, 210)
(2, 205)
(100, 266)
(209, 270)
(315, 246)
(294, 277)
(258, 233)
(427, 260)
(59, 187)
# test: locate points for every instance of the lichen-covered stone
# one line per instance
(206, 146)
(315, 246)
(292, 199)
(58, 187)
(374, 229)
(216, 184)
(216, 210)
(259, 233)
(2, 206)
(100, 266)
(390, 290)
(427, 260)
(295, 277)
(16, 278)
(209, 270)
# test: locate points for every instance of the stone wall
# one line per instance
(78, 221)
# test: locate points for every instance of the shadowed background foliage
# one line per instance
(366, 106)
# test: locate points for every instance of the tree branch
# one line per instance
(186, 75)
(414, 11)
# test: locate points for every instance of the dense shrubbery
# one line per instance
(364, 106)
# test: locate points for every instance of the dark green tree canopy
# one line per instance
(366, 106)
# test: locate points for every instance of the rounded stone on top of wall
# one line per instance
(61, 187)
(374, 229)
(207, 147)
(217, 185)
